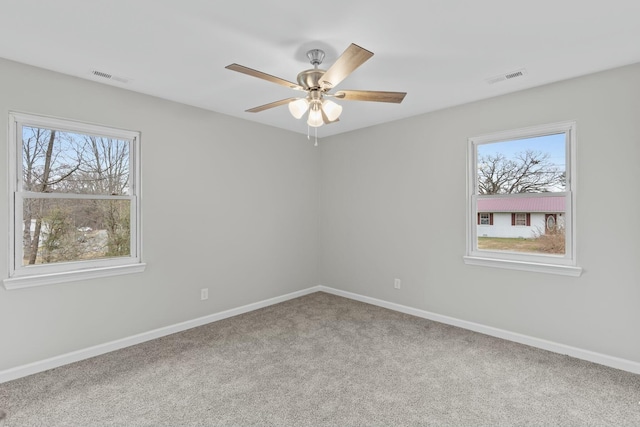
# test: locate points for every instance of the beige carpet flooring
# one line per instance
(323, 360)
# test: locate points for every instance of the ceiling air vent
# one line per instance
(508, 76)
(108, 76)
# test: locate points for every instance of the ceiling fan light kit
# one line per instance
(331, 109)
(315, 116)
(317, 83)
(298, 107)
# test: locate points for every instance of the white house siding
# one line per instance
(502, 226)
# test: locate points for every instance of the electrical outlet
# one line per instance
(204, 293)
(396, 283)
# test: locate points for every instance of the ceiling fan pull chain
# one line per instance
(316, 132)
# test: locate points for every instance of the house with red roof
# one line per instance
(524, 217)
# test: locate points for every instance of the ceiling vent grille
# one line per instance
(508, 76)
(108, 76)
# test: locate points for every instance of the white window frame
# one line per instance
(45, 274)
(547, 263)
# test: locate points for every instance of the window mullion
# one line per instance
(37, 195)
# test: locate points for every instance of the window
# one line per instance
(520, 219)
(74, 198)
(522, 184)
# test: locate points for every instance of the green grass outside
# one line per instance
(517, 244)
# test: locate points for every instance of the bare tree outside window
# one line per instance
(528, 165)
(526, 172)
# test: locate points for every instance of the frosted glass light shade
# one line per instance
(298, 107)
(331, 109)
(315, 117)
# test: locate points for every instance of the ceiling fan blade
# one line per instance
(259, 74)
(371, 95)
(353, 57)
(270, 105)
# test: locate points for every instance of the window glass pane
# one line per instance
(531, 165)
(509, 169)
(62, 230)
(55, 161)
(510, 231)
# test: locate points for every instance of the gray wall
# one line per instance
(393, 205)
(233, 206)
(227, 204)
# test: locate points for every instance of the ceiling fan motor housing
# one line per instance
(310, 79)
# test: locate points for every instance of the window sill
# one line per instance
(563, 270)
(70, 276)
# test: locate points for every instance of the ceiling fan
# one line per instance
(317, 83)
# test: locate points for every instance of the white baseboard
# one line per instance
(578, 353)
(75, 356)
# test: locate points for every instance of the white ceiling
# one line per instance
(438, 51)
